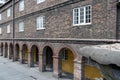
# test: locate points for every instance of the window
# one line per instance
(40, 1)
(21, 5)
(8, 28)
(0, 30)
(21, 26)
(65, 54)
(40, 23)
(0, 17)
(82, 15)
(8, 12)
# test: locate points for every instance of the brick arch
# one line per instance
(34, 55)
(6, 50)
(47, 53)
(68, 47)
(35, 44)
(45, 45)
(20, 45)
(24, 53)
(17, 44)
(1, 46)
(17, 53)
(11, 55)
(28, 47)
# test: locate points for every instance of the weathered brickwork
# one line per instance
(58, 25)
(103, 21)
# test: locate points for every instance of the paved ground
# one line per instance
(15, 71)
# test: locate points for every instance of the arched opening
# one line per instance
(92, 70)
(24, 54)
(6, 50)
(1, 49)
(34, 56)
(66, 63)
(17, 52)
(11, 51)
(48, 59)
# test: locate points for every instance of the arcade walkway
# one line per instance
(10, 70)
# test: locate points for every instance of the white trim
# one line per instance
(40, 26)
(84, 22)
(40, 1)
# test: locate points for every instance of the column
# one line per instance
(78, 70)
(56, 66)
(21, 57)
(14, 54)
(30, 61)
(0, 51)
(4, 51)
(41, 67)
(8, 52)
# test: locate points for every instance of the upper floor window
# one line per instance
(40, 22)
(21, 5)
(8, 12)
(8, 28)
(0, 30)
(0, 17)
(40, 1)
(21, 26)
(82, 15)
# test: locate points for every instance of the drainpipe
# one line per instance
(13, 22)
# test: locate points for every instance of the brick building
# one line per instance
(50, 33)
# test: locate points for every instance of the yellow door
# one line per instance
(68, 64)
(92, 73)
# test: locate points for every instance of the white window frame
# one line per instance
(8, 28)
(21, 5)
(0, 30)
(0, 16)
(84, 22)
(8, 12)
(40, 22)
(21, 26)
(40, 1)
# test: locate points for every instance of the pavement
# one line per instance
(10, 70)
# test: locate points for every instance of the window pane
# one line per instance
(75, 16)
(21, 5)
(82, 15)
(8, 12)
(0, 30)
(39, 1)
(21, 26)
(88, 14)
(40, 22)
(0, 17)
(8, 28)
